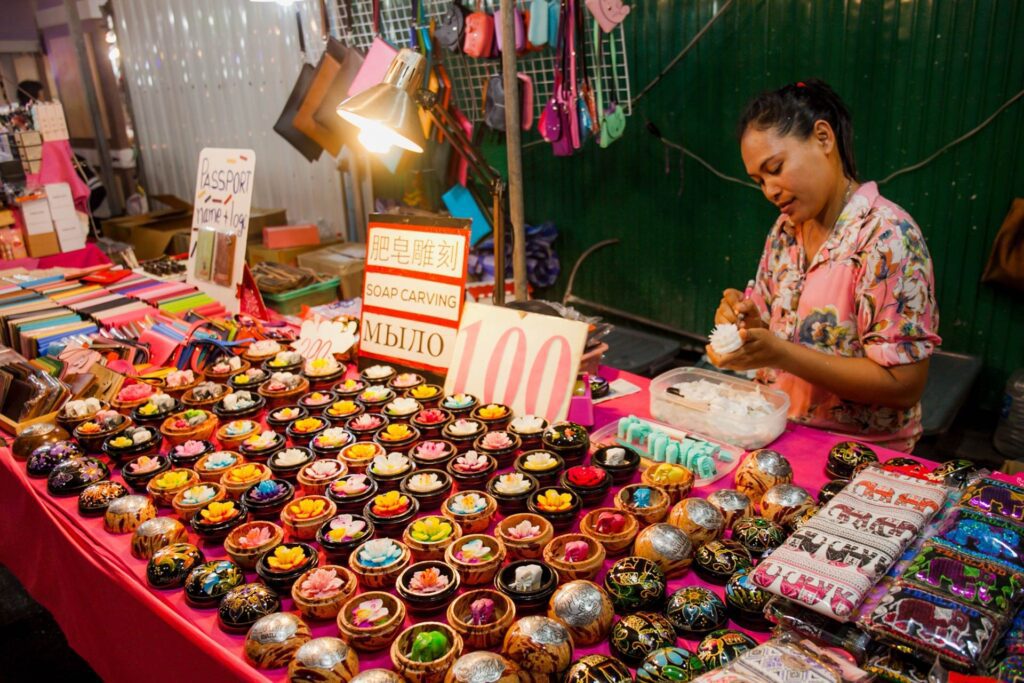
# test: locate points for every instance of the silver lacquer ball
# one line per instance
(762, 470)
(732, 504)
(667, 546)
(483, 667)
(585, 609)
(785, 503)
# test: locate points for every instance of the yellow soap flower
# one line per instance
(285, 558)
(666, 473)
(431, 529)
(308, 424)
(553, 501)
(361, 451)
(218, 512)
(396, 432)
(390, 503)
(343, 407)
(493, 411)
(244, 473)
(424, 391)
(172, 479)
(307, 508)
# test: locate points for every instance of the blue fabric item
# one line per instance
(460, 204)
(542, 263)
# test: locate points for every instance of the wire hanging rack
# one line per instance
(469, 74)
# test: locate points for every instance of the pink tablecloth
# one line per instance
(89, 255)
(97, 591)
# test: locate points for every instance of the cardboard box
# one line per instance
(151, 234)
(42, 245)
(255, 253)
(347, 261)
(287, 236)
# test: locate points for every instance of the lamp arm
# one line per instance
(443, 119)
(484, 172)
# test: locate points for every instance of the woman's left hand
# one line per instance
(761, 349)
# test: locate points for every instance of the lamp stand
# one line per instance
(513, 140)
(489, 177)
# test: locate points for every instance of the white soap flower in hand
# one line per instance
(725, 338)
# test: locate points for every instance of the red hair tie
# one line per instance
(801, 84)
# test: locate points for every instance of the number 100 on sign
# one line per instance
(524, 360)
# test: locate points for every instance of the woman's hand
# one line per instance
(761, 349)
(733, 306)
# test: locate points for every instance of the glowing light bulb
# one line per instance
(375, 139)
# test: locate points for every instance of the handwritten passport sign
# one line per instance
(413, 291)
(220, 222)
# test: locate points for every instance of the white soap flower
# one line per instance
(725, 338)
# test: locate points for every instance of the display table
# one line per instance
(98, 593)
(90, 255)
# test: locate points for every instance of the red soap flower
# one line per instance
(586, 476)
(431, 416)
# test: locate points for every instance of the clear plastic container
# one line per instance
(748, 432)
(726, 458)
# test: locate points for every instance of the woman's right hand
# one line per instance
(733, 305)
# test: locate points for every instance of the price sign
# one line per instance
(322, 338)
(413, 291)
(525, 360)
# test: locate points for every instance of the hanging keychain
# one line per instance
(589, 114)
(613, 119)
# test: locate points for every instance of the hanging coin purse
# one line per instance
(479, 40)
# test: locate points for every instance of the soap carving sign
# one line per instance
(524, 360)
(413, 291)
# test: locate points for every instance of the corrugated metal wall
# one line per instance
(916, 74)
(205, 73)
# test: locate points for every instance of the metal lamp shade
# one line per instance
(386, 113)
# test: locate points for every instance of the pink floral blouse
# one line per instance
(868, 292)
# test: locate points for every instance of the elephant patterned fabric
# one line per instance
(961, 636)
(966, 578)
(831, 563)
(997, 498)
(869, 292)
(991, 537)
(960, 591)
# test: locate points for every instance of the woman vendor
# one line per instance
(842, 313)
